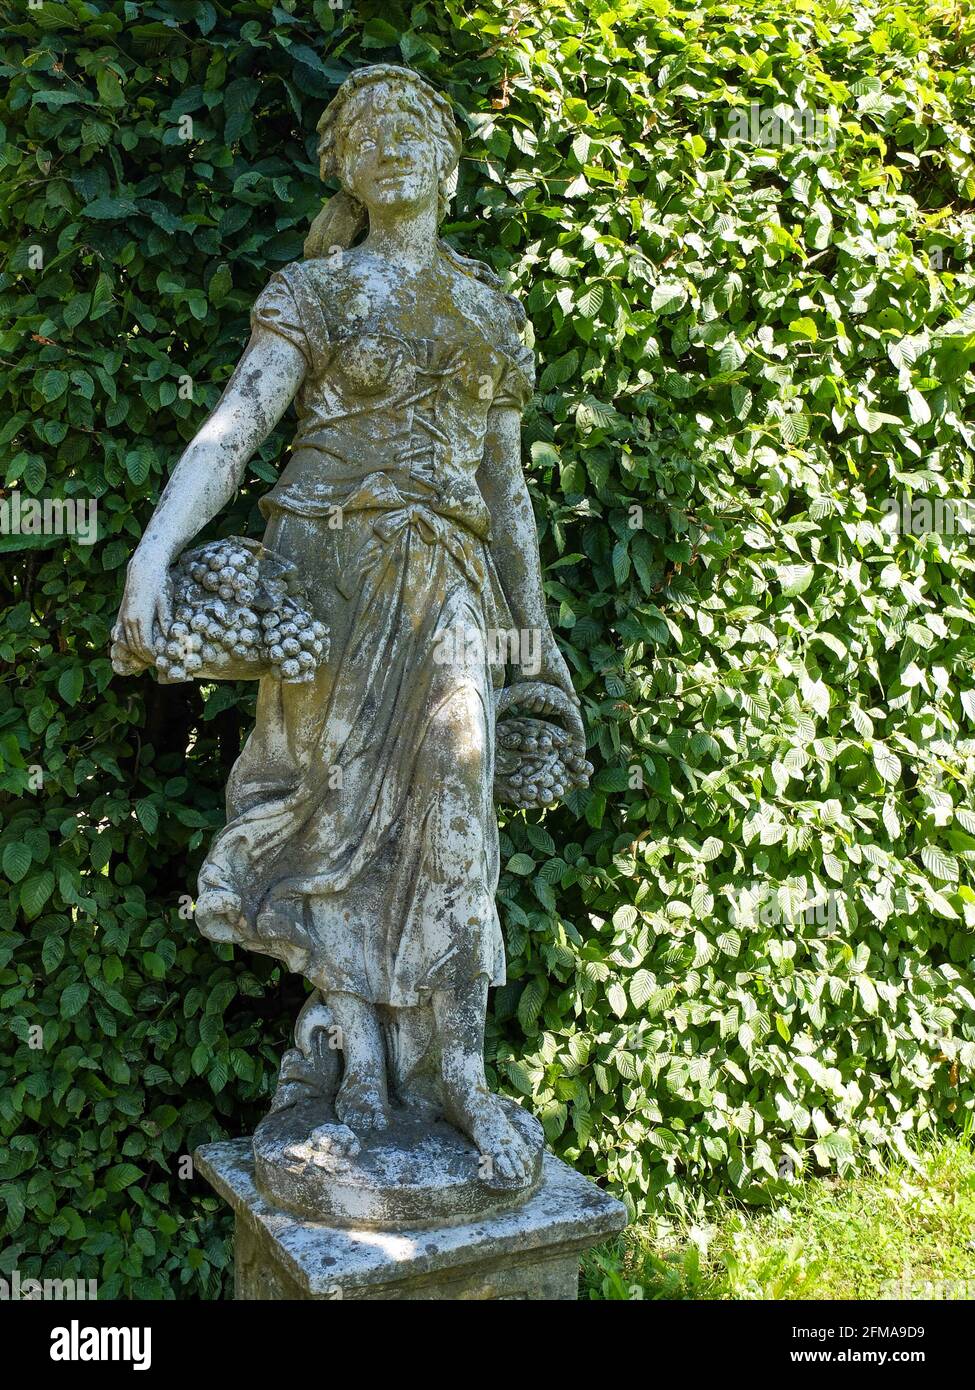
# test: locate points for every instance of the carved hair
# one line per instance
(343, 218)
(384, 85)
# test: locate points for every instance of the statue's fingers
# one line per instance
(138, 641)
(147, 642)
(164, 615)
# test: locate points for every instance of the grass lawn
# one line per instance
(866, 1237)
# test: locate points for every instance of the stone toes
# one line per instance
(504, 1167)
(510, 1159)
(370, 1117)
(518, 1154)
(361, 1112)
(519, 1159)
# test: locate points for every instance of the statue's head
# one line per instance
(390, 139)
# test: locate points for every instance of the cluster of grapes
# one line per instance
(296, 644)
(537, 762)
(238, 609)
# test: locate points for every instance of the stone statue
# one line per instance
(395, 618)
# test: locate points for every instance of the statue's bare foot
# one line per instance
(506, 1160)
(361, 1103)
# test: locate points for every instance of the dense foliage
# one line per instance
(743, 235)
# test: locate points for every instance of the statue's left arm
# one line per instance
(514, 546)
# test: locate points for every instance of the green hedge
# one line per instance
(743, 234)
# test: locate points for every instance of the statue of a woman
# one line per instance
(361, 845)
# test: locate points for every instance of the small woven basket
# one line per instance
(537, 761)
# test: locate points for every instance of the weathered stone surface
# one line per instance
(416, 1172)
(530, 1253)
(395, 617)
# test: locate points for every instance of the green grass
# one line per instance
(856, 1238)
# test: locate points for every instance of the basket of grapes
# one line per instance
(537, 761)
(238, 614)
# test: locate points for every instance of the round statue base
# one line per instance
(416, 1173)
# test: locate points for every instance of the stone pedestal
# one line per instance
(531, 1252)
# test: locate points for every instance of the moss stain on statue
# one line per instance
(361, 844)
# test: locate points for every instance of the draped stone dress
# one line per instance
(360, 816)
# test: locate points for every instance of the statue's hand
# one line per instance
(553, 670)
(146, 610)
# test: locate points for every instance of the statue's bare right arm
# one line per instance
(205, 479)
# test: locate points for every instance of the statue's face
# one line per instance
(391, 158)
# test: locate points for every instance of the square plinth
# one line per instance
(531, 1252)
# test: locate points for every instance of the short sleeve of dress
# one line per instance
(517, 381)
(276, 308)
